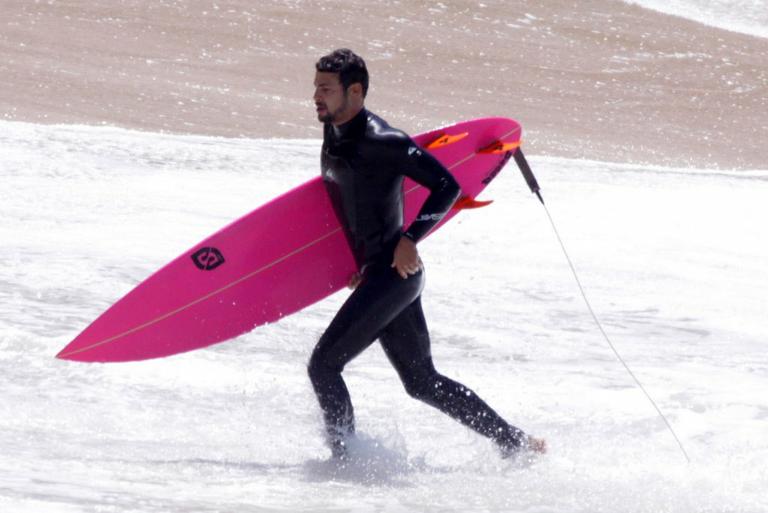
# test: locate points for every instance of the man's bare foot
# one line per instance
(538, 445)
(527, 450)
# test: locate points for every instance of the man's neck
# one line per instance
(352, 115)
(341, 129)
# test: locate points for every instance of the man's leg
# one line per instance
(407, 345)
(379, 298)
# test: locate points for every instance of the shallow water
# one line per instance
(672, 259)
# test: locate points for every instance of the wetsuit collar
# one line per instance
(352, 128)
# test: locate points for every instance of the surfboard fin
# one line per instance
(465, 203)
(500, 147)
(445, 140)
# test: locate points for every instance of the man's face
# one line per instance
(331, 100)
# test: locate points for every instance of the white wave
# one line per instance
(673, 261)
(744, 16)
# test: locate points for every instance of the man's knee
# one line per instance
(319, 368)
(422, 386)
(316, 367)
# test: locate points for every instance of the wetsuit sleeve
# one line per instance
(427, 171)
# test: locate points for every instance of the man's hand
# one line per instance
(354, 281)
(406, 259)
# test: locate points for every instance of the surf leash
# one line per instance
(530, 179)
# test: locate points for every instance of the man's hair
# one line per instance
(350, 67)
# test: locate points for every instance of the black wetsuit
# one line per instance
(363, 165)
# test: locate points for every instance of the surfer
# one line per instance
(364, 162)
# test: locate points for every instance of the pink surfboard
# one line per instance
(274, 261)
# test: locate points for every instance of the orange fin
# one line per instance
(468, 203)
(445, 140)
(500, 147)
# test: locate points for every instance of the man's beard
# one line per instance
(330, 117)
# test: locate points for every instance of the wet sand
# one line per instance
(587, 79)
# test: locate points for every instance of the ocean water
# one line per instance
(744, 16)
(673, 261)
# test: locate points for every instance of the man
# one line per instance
(364, 162)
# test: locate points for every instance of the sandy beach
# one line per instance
(587, 79)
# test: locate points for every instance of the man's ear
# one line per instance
(356, 89)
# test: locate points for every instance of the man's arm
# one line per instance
(427, 171)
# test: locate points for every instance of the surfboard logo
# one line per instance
(207, 259)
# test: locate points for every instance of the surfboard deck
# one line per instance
(276, 260)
